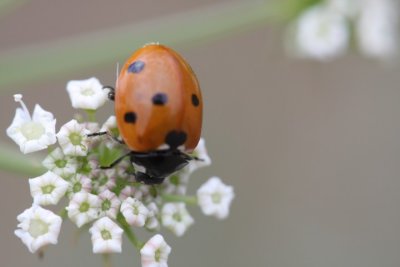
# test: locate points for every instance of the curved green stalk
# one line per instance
(14, 161)
(66, 57)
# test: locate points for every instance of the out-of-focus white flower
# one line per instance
(176, 183)
(110, 204)
(214, 198)
(60, 164)
(176, 218)
(38, 228)
(86, 94)
(73, 139)
(110, 125)
(134, 211)
(106, 236)
(48, 188)
(377, 29)
(32, 133)
(79, 183)
(152, 222)
(203, 160)
(155, 252)
(349, 8)
(320, 33)
(83, 208)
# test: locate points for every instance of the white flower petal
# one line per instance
(86, 94)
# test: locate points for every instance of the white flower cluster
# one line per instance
(108, 199)
(324, 31)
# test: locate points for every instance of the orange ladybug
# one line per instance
(158, 107)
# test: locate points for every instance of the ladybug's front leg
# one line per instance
(111, 92)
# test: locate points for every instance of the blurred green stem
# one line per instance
(14, 161)
(66, 57)
(190, 200)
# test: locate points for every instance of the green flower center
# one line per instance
(106, 205)
(37, 228)
(177, 217)
(105, 234)
(135, 210)
(87, 91)
(47, 189)
(32, 130)
(84, 207)
(75, 138)
(216, 198)
(77, 187)
(157, 255)
(60, 163)
(174, 179)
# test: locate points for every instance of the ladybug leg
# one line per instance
(111, 92)
(109, 135)
(116, 162)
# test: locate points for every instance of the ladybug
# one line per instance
(158, 108)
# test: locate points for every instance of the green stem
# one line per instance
(14, 161)
(190, 200)
(107, 260)
(68, 57)
(129, 232)
(91, 114)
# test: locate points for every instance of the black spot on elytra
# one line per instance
(160, 99)
(195, 100)
(130, 117)
(175, 138)
(136, 66)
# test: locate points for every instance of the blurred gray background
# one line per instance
(312, 149)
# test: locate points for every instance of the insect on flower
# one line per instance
(158, 108)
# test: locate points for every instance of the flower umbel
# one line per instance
(32, 133)
(103, 196)
(38, 228)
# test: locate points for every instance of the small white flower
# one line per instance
(73, 139)
(32, 133)
(176, 183)
(110, 125)
(152, 222)
(214, 198)
(203, 160)
(48, 188)
(104, 180)
(155, 252)
(110, 204)
(134, 211)
(83, 208)
(106, 236)
(38, 228)
(60, 164)
(176, 218)
(86, 94)
(79, 183)
(377, 29)
(320, 33)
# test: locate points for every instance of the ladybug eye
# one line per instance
(136, 66)
(195, 100)
(160, 99)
